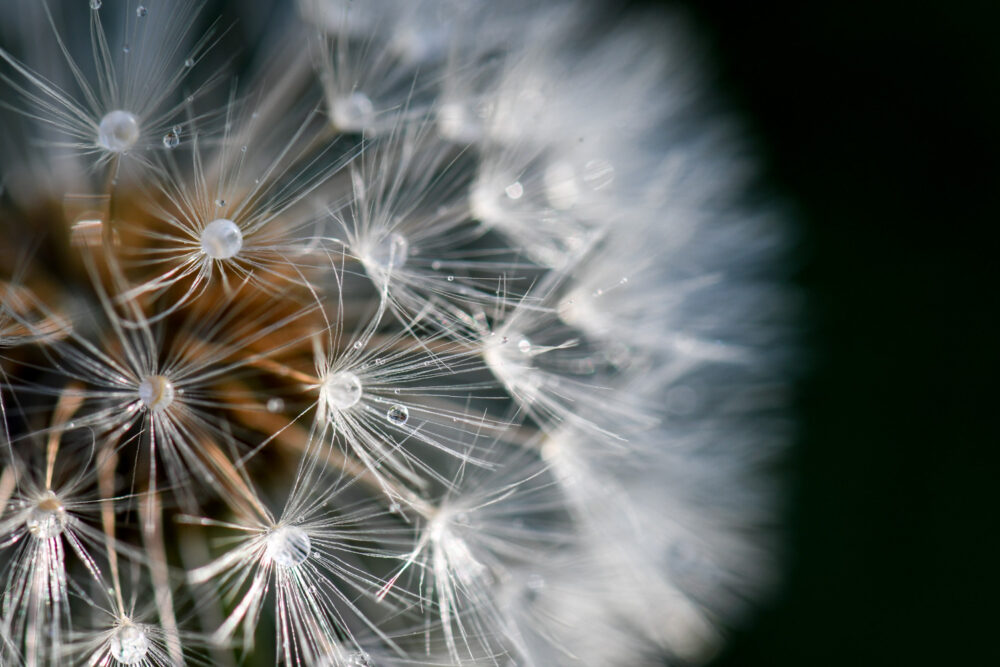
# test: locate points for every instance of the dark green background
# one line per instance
(881, 125)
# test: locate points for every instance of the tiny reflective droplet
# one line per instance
(515, 190)
(221, 239)
(288, 546)
(342, 390)
(189, 62)
(156, 393)
(95, 4)
(118, 131)
(436, 265)
(129, 645)
(524, 346)
(126, 48)
(243, 148)
(172, 138)
(398, 414)
(357, 345)
(141, 11)
(275, 405)
(220, 202)
(391, 252)
(47, 519)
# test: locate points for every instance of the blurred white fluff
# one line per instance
(528, 347)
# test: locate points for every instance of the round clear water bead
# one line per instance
(141, 11)
(221, 239)
(156, 393)
(398, 414)
(118, 131)
(353, 113)
(47, 518)
(342, 390)
(288, 546)
(172, 139)
(129, 644)
(96, 4)
(391, 252)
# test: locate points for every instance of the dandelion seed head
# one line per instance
(221, 239)
(157, 393)
(118, 131)
(47, 517)
(129, 644)
(341, 390)
(288, 546)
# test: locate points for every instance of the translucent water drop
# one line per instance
(221, 239)
(275, 405)
(129, 644)
(126, 49)
(353, 113)
(172, 139)
(189, 62)
(342, 390)
(95, 4)
(156, 393)
(243, 148)
(515, 190)
(118, 131)
(357, 345)
(359, 659)
(391, 252)
(220, 202)
(47, 518)
(524, 346)
(141, 11)
(398, 414)
(450, 279)
(288, 546)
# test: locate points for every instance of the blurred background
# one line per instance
(880, 126)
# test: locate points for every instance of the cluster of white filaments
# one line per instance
(426, 338)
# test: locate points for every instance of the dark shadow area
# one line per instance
(881, 123)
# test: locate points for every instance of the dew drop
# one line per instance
(450, 279)
(357, 345)
(172, 138)
(129, 645)
(524, 346)
(118, 131)
(189, 63)
(141, 11)
(275, 404)
(126, 48)
(288, 546)
(353, 113)
(47, 518)
(515, 190)
(220, 202)
(398, 414)
(391, 252)
(156, 393)
(436, 265)
(342, 390)
(359, 659)
(95, 4)
(221, 239)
